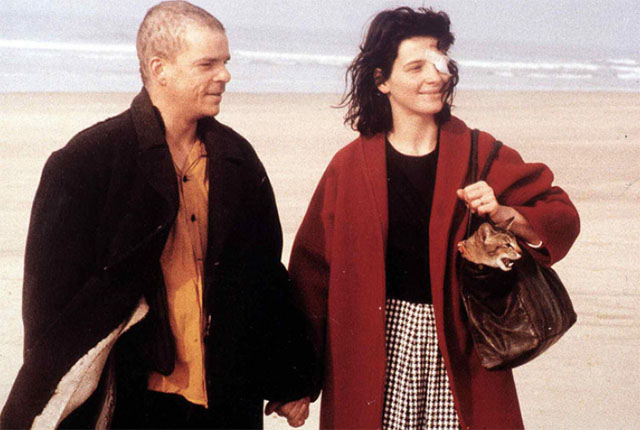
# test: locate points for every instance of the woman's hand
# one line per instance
(481, 199)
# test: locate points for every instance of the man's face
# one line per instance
(196, 78)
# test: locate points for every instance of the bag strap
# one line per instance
(492, 156)
(472, 176)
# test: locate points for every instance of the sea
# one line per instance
(44, 54)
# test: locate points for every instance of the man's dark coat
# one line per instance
(100, 219)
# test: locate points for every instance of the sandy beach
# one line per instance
(591, 141)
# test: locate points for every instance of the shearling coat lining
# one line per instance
(82, 379)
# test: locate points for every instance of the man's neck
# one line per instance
(180, 139)
(180, 131)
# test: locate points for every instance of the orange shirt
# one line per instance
(182, 266)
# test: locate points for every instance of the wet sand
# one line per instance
(589, 380)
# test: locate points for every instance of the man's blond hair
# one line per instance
(161, 33)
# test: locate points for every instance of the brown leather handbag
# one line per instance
(513, 316)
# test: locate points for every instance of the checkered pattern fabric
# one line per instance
(417, 391)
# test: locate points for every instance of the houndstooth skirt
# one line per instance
(417, 392)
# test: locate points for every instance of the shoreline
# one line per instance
(324, 93)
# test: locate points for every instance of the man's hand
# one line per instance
(296, 412)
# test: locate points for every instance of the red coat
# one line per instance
(338, 266)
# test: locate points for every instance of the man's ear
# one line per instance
(381, 83)
(157, 70)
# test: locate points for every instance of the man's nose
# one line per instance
(223, 75)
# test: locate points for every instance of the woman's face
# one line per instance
(418, 76)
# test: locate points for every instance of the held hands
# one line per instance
(296, 412)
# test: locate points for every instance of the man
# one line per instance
(154, 295)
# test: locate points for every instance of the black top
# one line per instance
(410, 183)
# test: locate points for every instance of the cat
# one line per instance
(493, 246)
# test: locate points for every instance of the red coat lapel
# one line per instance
(453, 159)
(375, 170)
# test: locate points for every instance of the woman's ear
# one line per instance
(381, 83)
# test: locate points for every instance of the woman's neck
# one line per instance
(414, 136)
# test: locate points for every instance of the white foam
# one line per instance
(523, 65)
(65, 46)
(566, 76)
(292, 58)
(628, 76)
(623, 61)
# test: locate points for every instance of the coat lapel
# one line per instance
(224, 168)
(225, 185)
(375, 172)
(451, 173)
(154, 158)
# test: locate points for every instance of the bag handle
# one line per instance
(472, 176)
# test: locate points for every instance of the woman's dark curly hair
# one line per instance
(369, 112)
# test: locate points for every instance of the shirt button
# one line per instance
(184, 178)
(193, 218)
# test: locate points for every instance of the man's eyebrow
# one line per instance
(211, 59)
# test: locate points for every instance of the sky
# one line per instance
(59, 45)
(611, 24)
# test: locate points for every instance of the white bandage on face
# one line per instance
(439, 61)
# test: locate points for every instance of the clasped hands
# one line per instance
(481, 200)
(296, 412)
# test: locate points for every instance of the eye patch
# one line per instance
(439, 61)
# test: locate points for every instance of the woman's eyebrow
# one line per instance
(414, 62)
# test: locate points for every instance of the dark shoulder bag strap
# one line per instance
(472, 176)
(472, 172)
(492, 156)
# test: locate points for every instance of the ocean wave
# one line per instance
(567, 76)
(292, 59)
(300, 68)
(627, 72)
(66, 46)
(523, 65)
(623, 61)
(627, 69)
(628, 76)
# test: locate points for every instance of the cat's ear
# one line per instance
(506, 224)
(485, 231)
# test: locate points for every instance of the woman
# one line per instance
(373, 261)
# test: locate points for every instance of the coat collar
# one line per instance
(153, 157)
(225, 158)
(451, 173)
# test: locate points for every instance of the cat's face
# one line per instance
(493, 246)
(500, 246)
